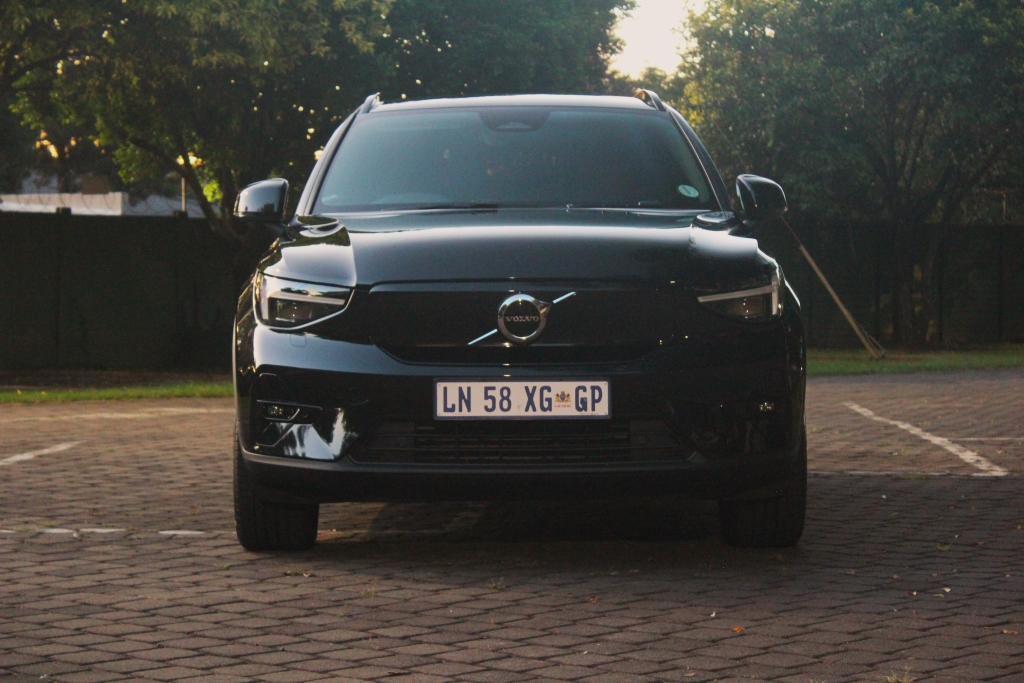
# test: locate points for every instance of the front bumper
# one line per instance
(707, 394)
(309, 481)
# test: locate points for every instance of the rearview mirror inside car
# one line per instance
(262, 202)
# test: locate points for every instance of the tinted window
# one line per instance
(513, 156)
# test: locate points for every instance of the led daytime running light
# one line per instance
(291, 304)
(772, 289)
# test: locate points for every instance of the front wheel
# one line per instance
(264, 525)
(776, 522)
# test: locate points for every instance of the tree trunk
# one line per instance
(909, 323)
(903, 306)
(930, 301)
(915, 298)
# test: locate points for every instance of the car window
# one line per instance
(513, 156)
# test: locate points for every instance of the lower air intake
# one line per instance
(521, 442)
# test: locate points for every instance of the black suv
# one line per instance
(517, 297)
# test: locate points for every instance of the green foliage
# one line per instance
(36, 38)
(451, 48)
(888, 110)
(247, 89)
(16, 153)
(223, 92)
(36, 34)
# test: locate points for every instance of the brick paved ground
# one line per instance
(900, 572)
(983, 411)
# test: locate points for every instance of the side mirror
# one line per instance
(262, 202)
(760, 198)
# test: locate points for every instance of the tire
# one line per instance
(776, 522)
(264, 525)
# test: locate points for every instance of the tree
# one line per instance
(37, 34)
(886, 110)
(36, 38)
(451, 48)
(227, 92)
(221, 92)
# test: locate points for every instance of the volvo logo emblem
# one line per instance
(521, 318)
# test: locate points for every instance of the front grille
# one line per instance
(535, 354)
(434, 322)
(520, 442)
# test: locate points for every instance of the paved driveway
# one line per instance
(117, 561)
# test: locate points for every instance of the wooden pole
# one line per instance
(869, 342)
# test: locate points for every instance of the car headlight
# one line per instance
(289, 303)
(750, 303)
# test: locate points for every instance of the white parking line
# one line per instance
(968, 456)
(111, 532)
(21, 457)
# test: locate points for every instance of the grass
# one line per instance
(169, 390)
(829, 362)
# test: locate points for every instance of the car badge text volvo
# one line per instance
(521, 318)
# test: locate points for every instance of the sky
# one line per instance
(650, 36)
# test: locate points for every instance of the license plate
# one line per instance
(527, 400)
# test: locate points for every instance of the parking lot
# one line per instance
(118, 561)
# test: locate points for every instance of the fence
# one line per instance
(113, 293)
(157, 293)
(980, 282)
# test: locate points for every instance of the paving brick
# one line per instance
(88, 677)
(469, 655)
(129, 665)
(292, 676)
(596, 591)
(493, 676)
(518, 664)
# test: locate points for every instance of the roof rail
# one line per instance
(650, 98)
(371, 102)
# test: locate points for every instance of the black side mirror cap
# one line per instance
(262, 202)
(760, 198)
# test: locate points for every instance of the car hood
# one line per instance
(510, 246)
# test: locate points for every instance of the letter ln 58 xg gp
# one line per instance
(517, 297)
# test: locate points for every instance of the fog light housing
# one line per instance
(277, 412)
(273, 411)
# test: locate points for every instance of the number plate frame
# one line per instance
(520, 410)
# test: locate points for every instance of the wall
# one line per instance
(113, 293)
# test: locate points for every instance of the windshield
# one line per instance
(513, 157)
